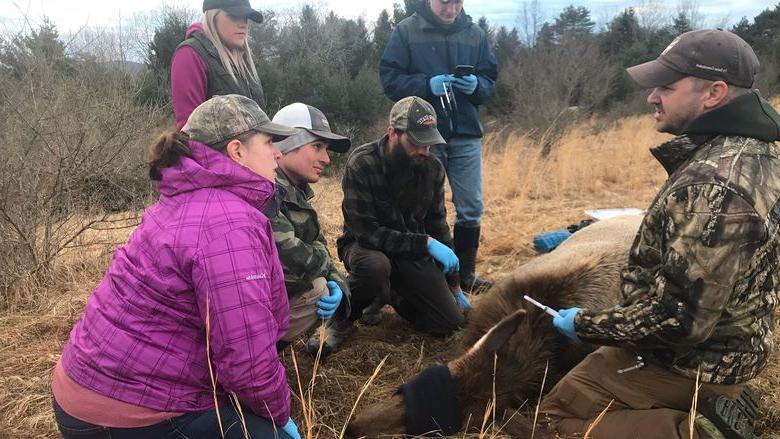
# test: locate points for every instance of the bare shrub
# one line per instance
(73, 146)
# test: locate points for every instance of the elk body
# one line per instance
(516, 339)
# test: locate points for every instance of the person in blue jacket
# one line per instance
(420, 60)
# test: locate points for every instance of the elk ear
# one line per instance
(500, 333)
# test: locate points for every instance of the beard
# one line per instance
(411, 180)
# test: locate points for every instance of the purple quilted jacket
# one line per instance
(203, 253)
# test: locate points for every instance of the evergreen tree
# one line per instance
(507, 45)
(573, 22)
(485, 26)
(166, 39)
(681, 24)
(43, 43)
(383, 28)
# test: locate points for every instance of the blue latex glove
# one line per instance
(549, 241)
(565, 323)
(437, 84)
(466, 84)
(291, 429)
(443, 255)
(463, 301)
(329, 303)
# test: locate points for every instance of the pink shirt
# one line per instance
(92, 407)
(189, 83)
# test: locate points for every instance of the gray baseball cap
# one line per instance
(417, 117)
(226, 117)
(311, 124)
(712, 54)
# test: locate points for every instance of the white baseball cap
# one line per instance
(311, 124)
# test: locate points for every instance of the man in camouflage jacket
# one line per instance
(311, 277)
(701, 284)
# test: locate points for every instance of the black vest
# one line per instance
(219, 80)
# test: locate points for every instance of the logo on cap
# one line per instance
(427, 120)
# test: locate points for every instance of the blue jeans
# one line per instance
(189, 425)
(462, 159)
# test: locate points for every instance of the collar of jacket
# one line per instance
(293, 193)
(675, 152)
(431, 23)
(208, 168)
(748, 115)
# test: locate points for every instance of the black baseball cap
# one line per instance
(236, 8)
(416, 116)
(712, 54)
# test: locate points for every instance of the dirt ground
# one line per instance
(594, 165)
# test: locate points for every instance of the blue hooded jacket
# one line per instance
(421, 48)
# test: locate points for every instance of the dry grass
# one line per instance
(524, 193)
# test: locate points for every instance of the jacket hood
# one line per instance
(748, 115)
(194, 27)
(463, 20)
(211, 169)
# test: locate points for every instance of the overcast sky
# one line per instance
(70, 15)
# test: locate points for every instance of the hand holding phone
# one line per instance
(463, 70)
(464, 80)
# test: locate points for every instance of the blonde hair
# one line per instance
(232, 59)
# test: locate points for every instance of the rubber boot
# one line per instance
(733, 418)
(466, 246)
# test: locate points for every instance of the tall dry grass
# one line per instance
(592, 165)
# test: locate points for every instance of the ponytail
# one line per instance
(166, 152)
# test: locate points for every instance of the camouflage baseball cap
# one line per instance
(712, 54)
(226, 117)
(417, 117)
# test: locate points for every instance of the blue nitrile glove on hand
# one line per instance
(463, 301)
(329, 303)
(291, 429)
(549, 241)
(443, 255)
(466, 84)
(437, 84)
(565, 323)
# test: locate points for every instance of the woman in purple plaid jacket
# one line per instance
(179, 338)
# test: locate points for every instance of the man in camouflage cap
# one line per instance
(316, 289)
(701, 283)
(396, 243)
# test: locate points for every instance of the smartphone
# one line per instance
(463, 70)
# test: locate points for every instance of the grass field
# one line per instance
(593, 165)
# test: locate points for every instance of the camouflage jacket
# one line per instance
(372, 217)
(701, 284)
(302, 248)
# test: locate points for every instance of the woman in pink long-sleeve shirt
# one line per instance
(215, 58)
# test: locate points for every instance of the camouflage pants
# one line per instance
(649, 402)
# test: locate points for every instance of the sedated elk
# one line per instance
(516, 339)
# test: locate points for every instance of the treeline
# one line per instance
(547, 68)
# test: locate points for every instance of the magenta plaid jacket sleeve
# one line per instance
(240, 289)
